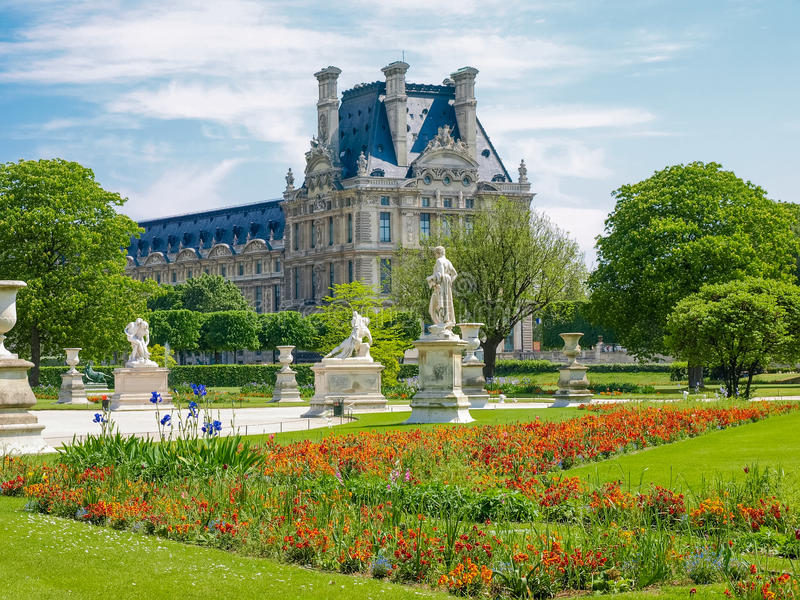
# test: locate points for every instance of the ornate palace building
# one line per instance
(391, 162)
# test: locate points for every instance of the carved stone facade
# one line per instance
(391, 162)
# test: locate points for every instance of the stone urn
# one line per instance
(469, 333)
(285, 357)
(571, 347)
(8, 312)
(72, 359)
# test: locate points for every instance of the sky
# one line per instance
(183, 106)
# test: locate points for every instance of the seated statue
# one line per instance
(138, 334)
(354, 346)
(93, 376)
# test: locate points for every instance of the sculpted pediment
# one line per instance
(256, 245)
(156, 258)
(186, 254)
(444, 152)
(220, 250)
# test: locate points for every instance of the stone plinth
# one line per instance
(440, 398)
(354, 381)
(472, 384)
(20, 432)
(572, 386)
(286, 389)
(134, 386)
(72, 390)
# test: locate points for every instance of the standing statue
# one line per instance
(354, 345)
(290, 179)
(441, 304)
(138, 334)
(362, 164)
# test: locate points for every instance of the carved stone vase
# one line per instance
(472, 379)
(286, 389)
(573, 385)
(73, 390)
(8, 312)
(469, 333)
(72, 359)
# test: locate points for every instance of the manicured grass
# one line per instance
(47, 558)
(772, 442)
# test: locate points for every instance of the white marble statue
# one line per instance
(354, 346)
(138, 334)
(441, 304)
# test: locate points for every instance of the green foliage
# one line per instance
(61, 233)
(180, 328)
(686, 226)
(206, 293)
(738, 326)
(233, 375)
(157, 352)
(285, 328)
(561, 317)
(389, 329)
(230, 330)
(512, 264)
(51, 376)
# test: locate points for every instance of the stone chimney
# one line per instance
(395, 103)
(328, 108)
(464, 106)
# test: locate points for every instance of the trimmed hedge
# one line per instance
(52, 375)
(234, 375)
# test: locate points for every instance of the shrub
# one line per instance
(51, 376)
(234, 375)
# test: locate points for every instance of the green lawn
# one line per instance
(773, 442)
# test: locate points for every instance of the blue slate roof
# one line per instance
(364, 126)
(223, 225)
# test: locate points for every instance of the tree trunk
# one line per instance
(750, 372)
(695, 373)
(490, 355)
(36, 356)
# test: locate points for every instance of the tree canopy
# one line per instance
(738, 326)
(684, 227)
(512, 264)
(61, 233)
(206, 293)
(285, 328)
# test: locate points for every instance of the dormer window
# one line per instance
(499, 178)
(485, 153)
(377, 173)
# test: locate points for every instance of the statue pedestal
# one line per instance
(440, 398)
(286, 389)
(472, 383)
(133, 386)
(572, 386)
(20, 432)
(356, 382)
(72, 390)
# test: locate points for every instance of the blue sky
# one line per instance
(184, 106)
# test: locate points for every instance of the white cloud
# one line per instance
(582, 224)
(181, 190)
(500, 119)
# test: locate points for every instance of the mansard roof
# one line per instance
(364, 126)
(230, 225)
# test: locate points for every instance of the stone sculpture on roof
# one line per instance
(444, 139)
(362, 164)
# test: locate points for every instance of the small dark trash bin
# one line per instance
(338, 409)
(106, 404)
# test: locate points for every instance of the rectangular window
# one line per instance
(331, 277)
(205, 271)
(468, 224)
(158, 277)
(311, 234)
(349, 228)
(174, 277)
(424, 225)
(445, 226)
(189, 274)
(296, 283)
(277, 265)
(448, 203)
(313, 283)
(259, 299)
(349, 271)
(470, 202)
(223, 270)
(386, 275)
(385, 227)
(330, 231)
(426, 202)
(276, 298)
(241, 270)
(508, 344)
(296, 236)
(384, 200)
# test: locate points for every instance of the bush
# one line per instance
(51, 376)
(408, 371)
(234, 375)
(528, 367)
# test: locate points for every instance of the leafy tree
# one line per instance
(390, 337)
(512, 263)
(684, 227)
(738, 326)
(61, 233)
(207, 293)
(229, 330)
(157, 353)
(561, 317)
(180, 328)
(285, 328)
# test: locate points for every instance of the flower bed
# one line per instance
(450, 507)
